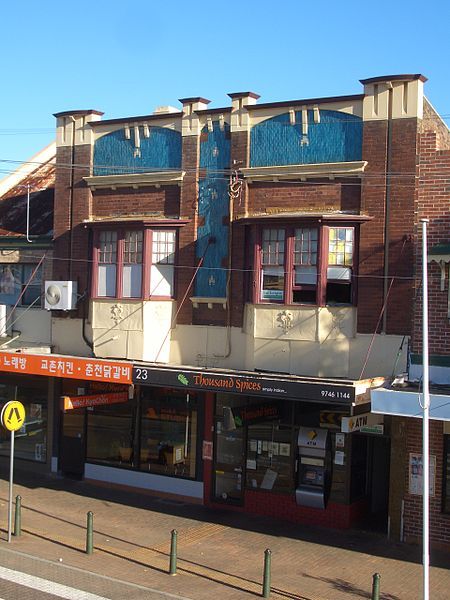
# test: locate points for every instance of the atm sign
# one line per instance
(358, 422)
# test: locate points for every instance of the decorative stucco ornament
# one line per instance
(286, 320)
(117, 313)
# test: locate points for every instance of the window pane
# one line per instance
(340, 250)
(272, 287)
(10, 283)
(132, 247)
(273, 247)
(106, 280)
(107, 247)
(31, 438)
(163, 247)
(161, 280)
(110, 434)
(132, 281)
(32, 296)
(305, 275)
(168, 433)
(305, 246)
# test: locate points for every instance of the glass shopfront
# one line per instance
(156, 432)
(30, 441)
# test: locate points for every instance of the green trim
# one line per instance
(38, 242)
(440, 249)
(436, 360)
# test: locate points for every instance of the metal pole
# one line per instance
(18, 517)
(11, 470)
(90, 533)
(425, 420)
(376, 587)
(266, 575)
(173, 552)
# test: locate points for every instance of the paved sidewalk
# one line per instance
(220, 553)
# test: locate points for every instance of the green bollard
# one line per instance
(18, 517)
(90, 533)
(173, 552)
(266, 576)
(376, 586)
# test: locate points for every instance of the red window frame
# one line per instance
(289, 267)
(146, 263)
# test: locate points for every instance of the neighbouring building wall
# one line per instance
(439, 522)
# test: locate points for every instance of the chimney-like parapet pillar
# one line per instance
(191, 124)
(72, 127)
(393, 96)
(240, 119)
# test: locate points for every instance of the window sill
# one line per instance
(304, 171)
(198, 300)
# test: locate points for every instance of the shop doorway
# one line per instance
(228, 470)
(370, 478)
(72, 455)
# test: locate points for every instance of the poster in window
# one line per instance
(416, 474)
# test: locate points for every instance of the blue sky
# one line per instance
(126, 58)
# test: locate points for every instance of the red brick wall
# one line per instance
(433, 202)
(439, 522)
(143, 201)
(306, 197)
(81, 205)
(400, 219)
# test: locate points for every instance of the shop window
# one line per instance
(15, 279)
(304, 264)
(110, 434)
(168, 433)
(30, 441)
(270, 460)
(134, 263)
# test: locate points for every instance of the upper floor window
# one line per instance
(17, 278)
(305, 265)
(134, 263)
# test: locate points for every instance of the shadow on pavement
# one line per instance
(354, 540)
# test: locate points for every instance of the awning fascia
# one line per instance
(407, 404)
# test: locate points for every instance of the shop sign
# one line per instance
(54, 365)
(356, 423)
(245, 415)
(374, 429)
(252, 385)
(72, 402)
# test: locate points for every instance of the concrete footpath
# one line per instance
(220, 553)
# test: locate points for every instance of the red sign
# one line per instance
(72, 367)
(71, 402)
(207, 450)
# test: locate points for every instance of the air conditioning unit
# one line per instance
(60, 295)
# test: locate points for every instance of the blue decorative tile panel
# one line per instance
(337, 138)
(213, 208)
(116, 155)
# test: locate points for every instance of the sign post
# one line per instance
(12, 418)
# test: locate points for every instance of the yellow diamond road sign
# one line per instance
(13, 415)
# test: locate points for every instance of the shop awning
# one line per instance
(270, 385)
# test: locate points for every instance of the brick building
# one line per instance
(431, 201)
(255, 266)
